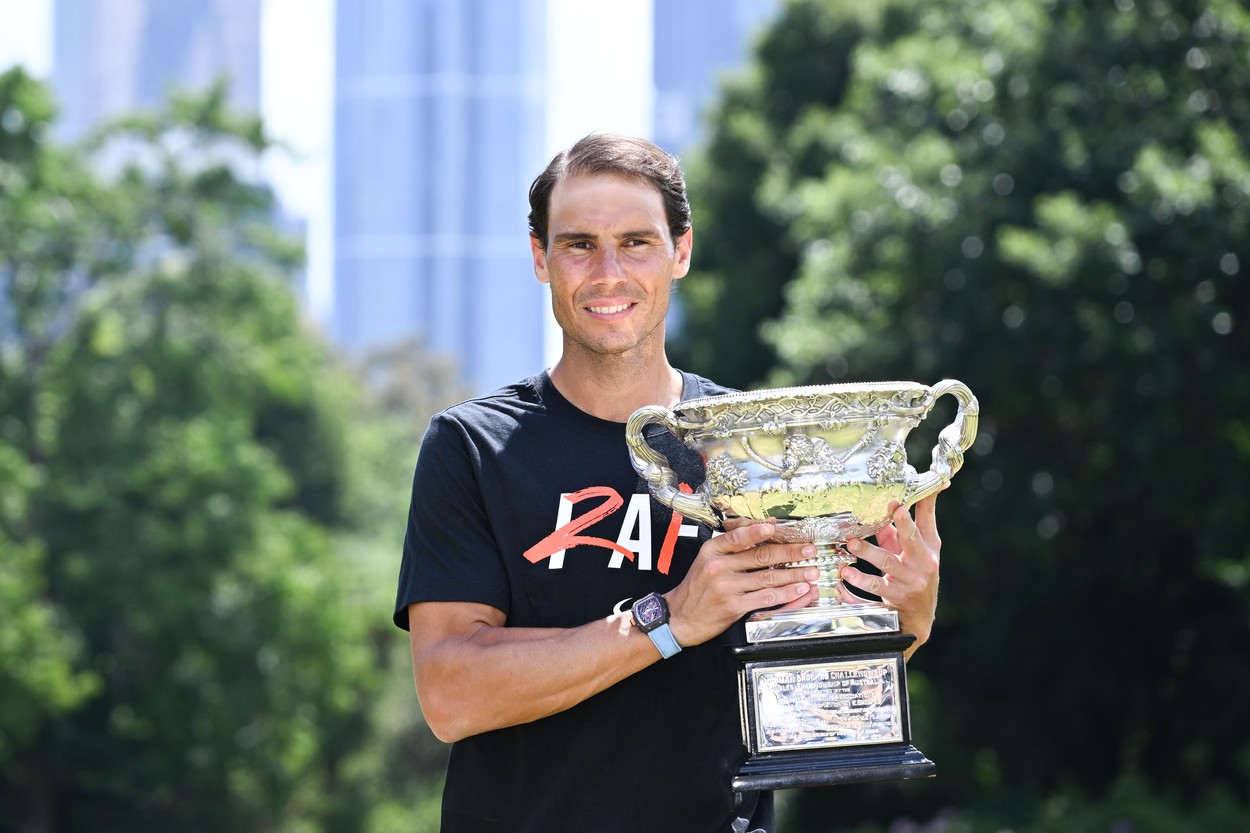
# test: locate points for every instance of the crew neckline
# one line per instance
(550, 395)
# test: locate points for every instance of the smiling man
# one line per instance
(569, 634)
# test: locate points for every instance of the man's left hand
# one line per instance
(907, 554)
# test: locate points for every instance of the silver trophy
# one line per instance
(822, 688)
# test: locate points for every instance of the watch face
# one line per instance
(648, 611)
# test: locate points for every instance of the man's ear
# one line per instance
(683, 246)
(539, 253)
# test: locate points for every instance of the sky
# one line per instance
(589, 88)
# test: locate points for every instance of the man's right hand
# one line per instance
(735, 574)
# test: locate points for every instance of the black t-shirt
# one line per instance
(525, 503)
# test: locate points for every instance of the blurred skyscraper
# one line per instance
(438, 131)
(116, 56)
(696, 43)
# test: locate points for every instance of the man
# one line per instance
(530, 535)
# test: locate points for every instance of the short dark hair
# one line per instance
(615, 155)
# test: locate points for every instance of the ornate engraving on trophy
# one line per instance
(724, 477)
(889, 462)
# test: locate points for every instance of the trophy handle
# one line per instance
(953, 441)
(656, 470)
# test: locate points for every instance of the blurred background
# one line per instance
(247, 247)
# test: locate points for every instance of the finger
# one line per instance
(789, 595)
(926, 517)
(876, 585)
(887, 538)
(737, 522)
(805, 599)
(884, 560)
(909, 537)
(758, 555)
(780, 577)
(774, 555)
(741, 538)
(849, 596)
(772, 586)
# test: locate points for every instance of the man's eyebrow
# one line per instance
(572, 236)
(647, 234)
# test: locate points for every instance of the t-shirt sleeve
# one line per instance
(450, 553)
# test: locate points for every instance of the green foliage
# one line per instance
(1051, 202)
(41, 668)
(193, 634)
(400, 767)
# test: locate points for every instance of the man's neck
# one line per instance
(611, 388)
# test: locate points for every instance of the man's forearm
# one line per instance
(473, 676)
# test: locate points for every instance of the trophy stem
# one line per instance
(835, 612)
(830, 557)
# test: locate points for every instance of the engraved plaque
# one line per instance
(825, 705)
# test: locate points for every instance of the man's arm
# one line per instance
(473, 674)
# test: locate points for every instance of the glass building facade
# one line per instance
(438, 132)
(439, 129)
(111, 57)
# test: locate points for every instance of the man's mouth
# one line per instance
(609, 310)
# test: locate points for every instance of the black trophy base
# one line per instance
(792, 770)
(858, 682)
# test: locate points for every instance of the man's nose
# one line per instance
(608, 265)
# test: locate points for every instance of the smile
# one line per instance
(610, 310)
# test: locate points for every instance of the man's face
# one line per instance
(611, 263)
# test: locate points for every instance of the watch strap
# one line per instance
(663, 639)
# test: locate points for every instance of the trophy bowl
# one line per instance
(824, 463)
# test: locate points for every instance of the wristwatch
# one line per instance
(651, 617)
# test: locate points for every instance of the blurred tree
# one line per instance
(744, 254)
(181, 645)
(401, 764)
(42, 674)
(1050, 201)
